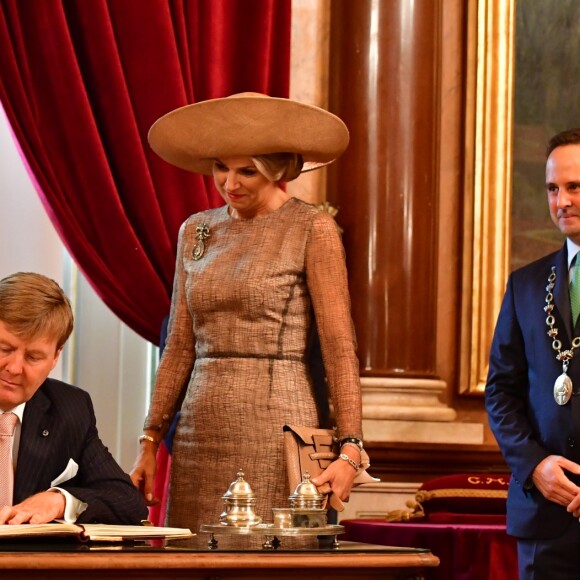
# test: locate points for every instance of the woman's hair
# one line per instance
(34, 306)
(279, 167)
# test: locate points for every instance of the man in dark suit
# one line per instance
(62, 470)
(533, 388)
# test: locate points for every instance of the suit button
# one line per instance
(571, 442)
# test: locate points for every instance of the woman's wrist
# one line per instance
(351, 439)
(350, 461)
(351, 445)
(148, 439)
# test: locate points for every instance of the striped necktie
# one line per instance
(7, 425)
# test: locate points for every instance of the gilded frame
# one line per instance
(487, 182)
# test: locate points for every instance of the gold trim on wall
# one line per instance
(487, 182)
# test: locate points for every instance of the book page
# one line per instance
(26, 530)
(94, 532)
(98, 532)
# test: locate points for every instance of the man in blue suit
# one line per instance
(56, 465)
(533, 387)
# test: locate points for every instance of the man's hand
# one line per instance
(40, 508)
(554, 485)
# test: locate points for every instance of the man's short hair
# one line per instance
(568, 137)
(34, 306)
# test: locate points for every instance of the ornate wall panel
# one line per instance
(488, 174)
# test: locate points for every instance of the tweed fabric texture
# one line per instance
(236, 352)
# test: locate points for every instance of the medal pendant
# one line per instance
(562, 389)
(198, 250)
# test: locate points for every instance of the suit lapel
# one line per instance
(562, 296)
(37, 425)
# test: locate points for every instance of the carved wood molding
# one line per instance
(419, 462)
(487, 182)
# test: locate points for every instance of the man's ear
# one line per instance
(56, 357)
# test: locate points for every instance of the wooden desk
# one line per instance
(120, 565)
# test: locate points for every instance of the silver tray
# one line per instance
(270, 530)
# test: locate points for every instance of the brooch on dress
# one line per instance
(201, 234)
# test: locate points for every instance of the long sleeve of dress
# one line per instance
(328, 286)
(179, 354)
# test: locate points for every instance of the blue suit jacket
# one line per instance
(59, 424)
(527, 422)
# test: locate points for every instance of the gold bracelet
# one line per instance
(148, 438)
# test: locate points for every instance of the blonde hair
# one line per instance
(279, 167)
(33, 306)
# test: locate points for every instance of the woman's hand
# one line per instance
(340, 474)
(143, 472)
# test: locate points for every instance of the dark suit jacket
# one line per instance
(519, 395)
(59, 424)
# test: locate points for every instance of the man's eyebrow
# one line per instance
(567, 184)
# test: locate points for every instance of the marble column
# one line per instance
(383, 81)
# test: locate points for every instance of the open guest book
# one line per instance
(94, 532)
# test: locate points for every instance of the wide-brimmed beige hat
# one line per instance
(247, 124)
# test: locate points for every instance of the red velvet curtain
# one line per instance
(82, 81)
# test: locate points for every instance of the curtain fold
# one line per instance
(82, 81)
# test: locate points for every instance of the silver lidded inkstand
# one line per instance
(305, 516)
(239, 502)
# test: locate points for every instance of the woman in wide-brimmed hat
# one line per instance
(252, 278)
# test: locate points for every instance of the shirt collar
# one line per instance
(573, 249)
(18, 411)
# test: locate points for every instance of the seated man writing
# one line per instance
(52, 463)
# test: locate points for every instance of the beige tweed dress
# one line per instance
(235, 353)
